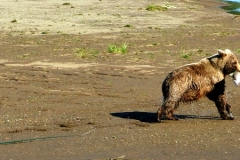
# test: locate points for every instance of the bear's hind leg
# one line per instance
(171, 116)
(160, 114)
(170, 111)
(167, 111)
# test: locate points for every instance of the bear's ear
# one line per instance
(222, 53)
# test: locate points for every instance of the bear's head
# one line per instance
(230, 61)
(226, 61)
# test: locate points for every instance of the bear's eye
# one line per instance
(234, 62)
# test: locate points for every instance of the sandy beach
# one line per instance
(64, 95)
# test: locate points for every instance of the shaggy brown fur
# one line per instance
(194, 81)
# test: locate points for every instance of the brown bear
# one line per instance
(193, 81)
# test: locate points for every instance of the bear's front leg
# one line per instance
(228, 109)
(223, 106)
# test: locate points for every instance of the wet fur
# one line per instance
(191, 82)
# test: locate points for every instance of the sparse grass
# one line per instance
(128, 26)
(186, 55)
(153, 7)
(238, 51)
(117, 15)
(14, 21)
(80, 52)
(192, 8)
(118, 49)
(27, 55)
(118, 158)
(85, 53)
(199, 51)
(44, 32)
(66, 4)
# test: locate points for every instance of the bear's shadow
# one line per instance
(150, 117)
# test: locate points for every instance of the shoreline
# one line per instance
(232, 7)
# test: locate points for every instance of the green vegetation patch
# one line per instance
(154, 7)
(118, 49)
(14, 21)
(128, 26)
(238, 51)
(66, 4)
(85, 53)
(44, 32)
(186, 55)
